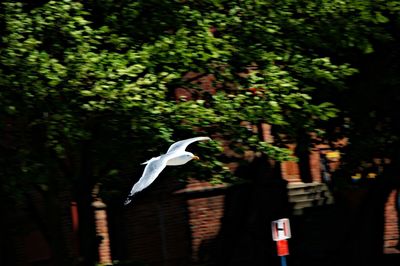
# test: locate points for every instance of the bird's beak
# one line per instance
(196, 157)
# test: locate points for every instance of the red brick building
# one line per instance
(173, 223)
(197, 223)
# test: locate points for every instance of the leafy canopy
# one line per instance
(104, 74)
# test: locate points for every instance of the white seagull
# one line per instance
(176, 155)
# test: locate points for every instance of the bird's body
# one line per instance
(176, 155)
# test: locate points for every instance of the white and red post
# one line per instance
(280, 234)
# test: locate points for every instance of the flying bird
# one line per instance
(176, 155)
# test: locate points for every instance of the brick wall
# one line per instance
(155, 228)
(169, 226)
(205, 206)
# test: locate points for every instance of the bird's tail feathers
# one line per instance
(131, 194)
(128, 200)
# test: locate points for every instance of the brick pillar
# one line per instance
(102, 233)
(315, 165)
(290, 170)
(100, 216)
(391, 233)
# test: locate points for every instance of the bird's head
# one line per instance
(191, 156)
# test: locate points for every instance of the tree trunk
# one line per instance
(56, 236)
(87, 229)
(7, 254)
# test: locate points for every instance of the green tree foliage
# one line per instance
(88, 87)
(104, 73)
(369, 116)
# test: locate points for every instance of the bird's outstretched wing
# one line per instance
(181, 145)
(151, 171)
